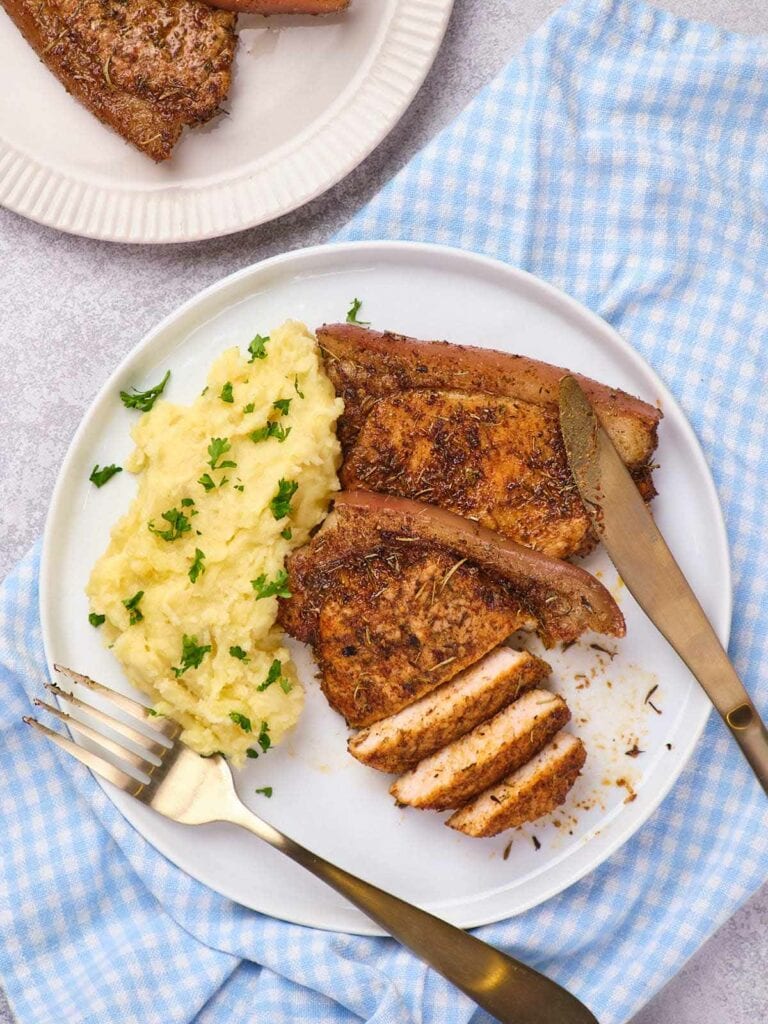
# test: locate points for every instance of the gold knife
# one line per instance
(653, 577)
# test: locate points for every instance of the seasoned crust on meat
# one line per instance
(397, 598)
(397, 743)
(452, 776)
(534, 790)
(146, 68)
(474, 431)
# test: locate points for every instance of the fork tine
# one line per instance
(146, 764)
(140, 739)
(157, 723)
(97, 764)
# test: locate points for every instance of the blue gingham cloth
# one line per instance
(621, 156)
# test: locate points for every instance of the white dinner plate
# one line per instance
(322, 797)
(310, 99)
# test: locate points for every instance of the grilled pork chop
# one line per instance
(474, 431)
(397, 597)
(399, 742)
(146, 68)
(458, 772)
(537, 788)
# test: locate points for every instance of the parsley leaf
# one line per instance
(271, 430)
(178, 525)
(277, 588)
(197, 568)
(207, 481)
(239, 487)
(258, 348)
(101, 476)
(187, 503)
(248, 408)
(192, 654)
(252, 753)
(263, 738)
(144, 400)
(239, 653)
(283, 405)
(352, 312)
(296, 386)
(287, 533)
(275, 671)
(226, 393)
(242, 720)
(97, 620)
(267, 791)
(135, 614)
(219, 446)
(280, 505)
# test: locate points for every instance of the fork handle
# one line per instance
(506, 988)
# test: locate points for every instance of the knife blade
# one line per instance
(637, 548)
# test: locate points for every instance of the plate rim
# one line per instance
(347, 132)
(370, 249)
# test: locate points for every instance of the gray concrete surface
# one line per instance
(72, 307)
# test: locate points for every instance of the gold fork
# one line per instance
(150, 763)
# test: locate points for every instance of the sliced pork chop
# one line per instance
(532, 791)
(397, 743)
(458, 772)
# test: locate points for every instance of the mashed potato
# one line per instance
(206, 537)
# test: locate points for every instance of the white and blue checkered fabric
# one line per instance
(622, 156)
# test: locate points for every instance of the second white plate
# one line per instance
(310, 99)
(322, 797)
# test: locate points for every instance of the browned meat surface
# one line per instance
(397, 597)
(146, 68)
(474, 431)
(282, 6)
(397, 743)
(537, 788)
(458, 772)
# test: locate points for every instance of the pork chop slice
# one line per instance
(474, 431)
(452, 776)
(146, 68)
(397, 743)
(532, 791)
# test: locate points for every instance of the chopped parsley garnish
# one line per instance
(239, 487)
(352, 312)
(178, 524)
(192, 654)
(219, 446)
(207, 481)
(252, 753)
(239, 653)
(287, 533)
(242, 720)
(155, 714)
(135, 613)
(283, 405)
(187, 502)
(266, 791)
(144, 400)
(258, 347)
(278, 587)
(97, 620)
(248, 408)
(263, 738)
(197, 568)
(226, 393)
(101, 476)
(296, 386)
(275, 671)
(280, 505)
(271, 430)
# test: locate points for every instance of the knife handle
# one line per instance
(750, 733)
